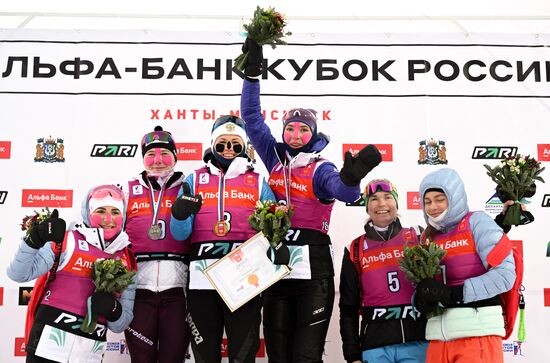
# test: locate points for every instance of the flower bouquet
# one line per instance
(272, 219)
(30, 222)
(266, 27)
(111, 276)
(515, 177)
(421, 262)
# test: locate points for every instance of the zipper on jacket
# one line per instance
(402, 330)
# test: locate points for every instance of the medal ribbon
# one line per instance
(221, 197)
(155, 204)
(287, 177)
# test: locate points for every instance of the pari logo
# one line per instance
(114, 150)
(494, 152)
(5, 149)
(3, 196)
(52, 198)
(386, 150)
(189, 150)
(545, 200)
(432, 152)
(50, 150)
(493, 205)
(543, 152)
(413, 200)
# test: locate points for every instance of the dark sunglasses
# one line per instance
(220, 147)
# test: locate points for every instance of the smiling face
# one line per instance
(109, 218)
(158, 160)
(297, 134)
(382, 208)
(229, 146)
(435, 203)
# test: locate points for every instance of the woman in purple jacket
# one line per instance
(297, 310)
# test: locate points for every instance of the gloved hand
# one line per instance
(186, 204)
(51, 229)
(279, 255)
(432, 291)
(357, 167)
(254, 58)
(106, 305)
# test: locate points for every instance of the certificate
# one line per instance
(245, 272)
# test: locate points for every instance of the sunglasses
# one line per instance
(377, 185)
(156, 136)
(236, 147)
(300, 114)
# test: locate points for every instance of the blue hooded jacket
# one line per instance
(486, 234)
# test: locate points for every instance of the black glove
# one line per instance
(356, 168)
(254, 59)
(279, 255)
(186, 204)
(106, 305)
(51, 229)
(429, 291)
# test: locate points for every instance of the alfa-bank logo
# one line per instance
(5, 149)
(413, 200)
(19, 347)
(544, 152)
(386, 150)
(53, 198)
(189, 150)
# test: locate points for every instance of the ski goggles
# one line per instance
(106, 195)
(378, 185)
(235, 146)
(162, 137)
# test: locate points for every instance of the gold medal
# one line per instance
(154, 232)
(221, 228)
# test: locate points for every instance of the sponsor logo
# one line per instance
(3, 196)
(114, 150)
(5, 149)
(432, 152)
(120, 347)
(515, 347)
(189, 150)
(259, 354)
(543, 152)
(545, 200)
(494, 152)
(386, 150)
(83, 245)
(413, 200)
(50, 150)
(1, 296)
(53, 198)
(546, 296)
(19, 347)
(24, 294)
(493, 205)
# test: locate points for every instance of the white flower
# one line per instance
(521, 160)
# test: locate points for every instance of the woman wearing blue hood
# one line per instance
(472, 325)
(297, 309)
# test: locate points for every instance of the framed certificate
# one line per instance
(245, 272)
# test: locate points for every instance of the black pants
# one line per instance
(159, 332)
(296, 319)
(31, 358)
(208, 316)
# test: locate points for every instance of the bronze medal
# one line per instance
(154, 232)
(221, 228)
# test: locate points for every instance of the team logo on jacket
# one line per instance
(50, 150)
(137, 189)
(204, 178)
(83, 245)
(432, 152)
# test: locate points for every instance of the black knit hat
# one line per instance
(158, 138)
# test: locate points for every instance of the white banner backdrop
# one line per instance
(94, 94)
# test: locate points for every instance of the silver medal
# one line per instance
(154, 232)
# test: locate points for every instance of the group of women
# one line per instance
(171, 221)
